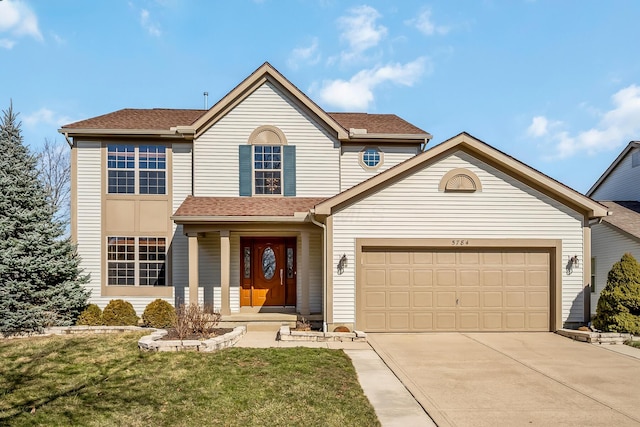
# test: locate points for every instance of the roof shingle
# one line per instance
(245, 206)
(164, 119)
(625, 216)
(131, 118)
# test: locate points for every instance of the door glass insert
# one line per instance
(289, 263)
(268, 263)
(247, 262)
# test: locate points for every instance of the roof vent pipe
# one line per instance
(206, 100)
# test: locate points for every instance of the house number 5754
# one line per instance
(459, 242)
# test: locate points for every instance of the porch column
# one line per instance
(193, 267)
(225, 272)
(303, 273)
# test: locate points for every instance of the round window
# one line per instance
(371, 157)
(268, 263)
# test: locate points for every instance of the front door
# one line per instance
(267, 271)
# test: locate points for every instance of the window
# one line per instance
(371, 158)
(267, 169)
(136, 261)
(132, 168)
(593, 274)
(267, 164)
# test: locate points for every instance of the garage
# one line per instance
(403, 289)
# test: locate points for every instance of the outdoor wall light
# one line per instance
(573, 262)
(342, 264)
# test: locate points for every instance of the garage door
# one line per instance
(415, 290)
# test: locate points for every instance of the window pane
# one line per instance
(120, 156)
(121, 182)
(267, 167)
(152, 157)
(152, 182)
(371, 157)
(152, 252)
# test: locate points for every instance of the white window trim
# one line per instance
(137, 169)
(136, 262)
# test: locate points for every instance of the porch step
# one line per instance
(259, 321)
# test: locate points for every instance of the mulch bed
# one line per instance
(211, 333)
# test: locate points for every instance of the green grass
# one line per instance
(104, 380)
(635, 344)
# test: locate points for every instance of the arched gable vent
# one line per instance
(460, 180)
(267, 135)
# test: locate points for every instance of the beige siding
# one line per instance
(608, 245)
(209, 264)
(88, 215)
(181, 179)
(315, 273)
(622, 183)
(352, 172)
(216, 151)
(414, 208)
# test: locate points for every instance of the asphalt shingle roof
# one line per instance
(625, 216)
(164, 119)
(245, 206)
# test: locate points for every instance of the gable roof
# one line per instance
(232, 209)
(191, 123)
(480, 150)
(614, 164)
(625, 216)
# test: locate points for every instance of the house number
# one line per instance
(459, 242)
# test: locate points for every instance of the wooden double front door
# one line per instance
(268, 271)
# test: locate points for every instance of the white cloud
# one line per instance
(615, 127)
(425, 25)
(45, 116)
(149, 25)
(357, 92)
(309, 55)
(541, 126)
(360, 30)
(7, 44)
(17, 19)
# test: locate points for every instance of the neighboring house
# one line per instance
(266, 202)
(619, 190)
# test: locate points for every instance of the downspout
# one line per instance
(312, 214)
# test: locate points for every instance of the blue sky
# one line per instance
(555, 84)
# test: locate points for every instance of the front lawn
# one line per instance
(105, 380)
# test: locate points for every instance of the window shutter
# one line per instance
(244, 165)
(289, 170)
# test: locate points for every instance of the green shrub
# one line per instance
(91, 316)
(619, 304)
(159, 314)
(119, 313)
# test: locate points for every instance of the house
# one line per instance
(619, 189)
(266, 202)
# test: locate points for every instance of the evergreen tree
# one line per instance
(619, 303)
(40, 280)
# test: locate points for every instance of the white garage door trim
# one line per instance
(553, 246)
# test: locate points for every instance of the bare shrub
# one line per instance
(194, 319)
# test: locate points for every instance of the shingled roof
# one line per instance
(625, 215)
(164, 119)
(207, 207)
(132, 118)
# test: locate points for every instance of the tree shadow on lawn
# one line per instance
(71, 373)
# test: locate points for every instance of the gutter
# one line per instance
(312, 216)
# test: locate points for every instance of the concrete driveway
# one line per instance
(512, 379)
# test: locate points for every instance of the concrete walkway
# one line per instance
(394, 405)
(514, 379)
